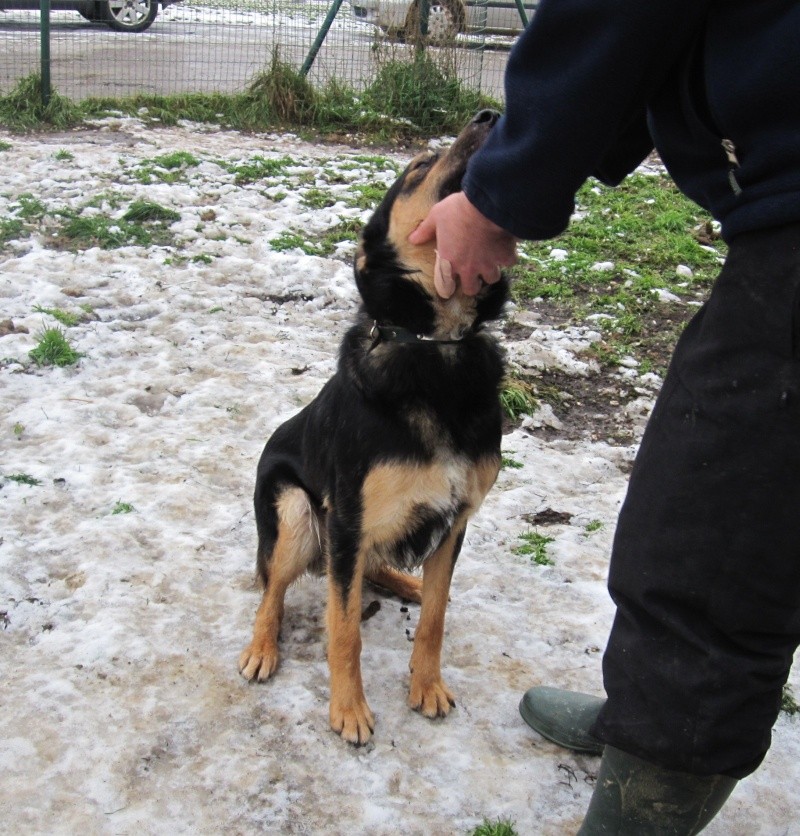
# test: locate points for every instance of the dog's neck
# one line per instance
(394, 333)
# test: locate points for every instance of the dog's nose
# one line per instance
(485, 117)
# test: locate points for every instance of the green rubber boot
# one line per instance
(633, 797)
(563, 717)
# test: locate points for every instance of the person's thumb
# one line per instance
(425, 232)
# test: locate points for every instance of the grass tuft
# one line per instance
(501, 827)
(534, 545)
(53, 349)
(23, 110)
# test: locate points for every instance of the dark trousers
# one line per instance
(705, 569)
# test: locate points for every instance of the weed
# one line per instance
(23, 110)
(318, 199)
(258, 168)
(534, 545)
(23, 479)
(423, 92)
(516, 398)
(64, 317)
(177, 159)
(594, 525)
(29, 208)
(19, 429)
(291, 240)
(53, 349)
(507, 461)
(788, 703)
(5, 146)
(64, 156)
(501, 827)
(141, 211)
(123, 508)
(345, 231)
(287, 95)
(366, 195)
(201, 258)
(10, 229)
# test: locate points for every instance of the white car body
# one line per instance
(491, 16)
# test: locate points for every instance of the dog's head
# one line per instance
(394, 277)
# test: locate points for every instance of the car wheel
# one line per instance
(446, 18)
(130, 15)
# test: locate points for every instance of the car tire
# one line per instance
(92, 11)
(129, 15)
(446, 18)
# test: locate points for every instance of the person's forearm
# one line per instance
(577, 81)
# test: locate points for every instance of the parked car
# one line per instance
(122, 15)
(446, 18)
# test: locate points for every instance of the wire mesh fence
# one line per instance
(127, 47)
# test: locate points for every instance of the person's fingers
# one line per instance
(425, 232)
(443, 277)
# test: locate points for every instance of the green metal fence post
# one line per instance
(522, 13)
(321, 35)
(44, 28)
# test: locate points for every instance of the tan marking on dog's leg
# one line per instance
(428, 693)
(296, 546)
(402, 584)
(350, 716)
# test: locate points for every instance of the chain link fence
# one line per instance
(127, 47)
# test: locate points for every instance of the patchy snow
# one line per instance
(123, 711)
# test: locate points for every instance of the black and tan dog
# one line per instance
(380, 473)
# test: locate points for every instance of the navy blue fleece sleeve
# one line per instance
(577, 86)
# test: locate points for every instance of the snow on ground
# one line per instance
(122, 709)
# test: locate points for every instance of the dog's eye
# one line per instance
(423, 162)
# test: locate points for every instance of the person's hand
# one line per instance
(470, 249)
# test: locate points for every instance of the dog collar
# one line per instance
(398, 334)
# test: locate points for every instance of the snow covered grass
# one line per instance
(127, 539)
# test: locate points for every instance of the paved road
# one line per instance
(176, 56)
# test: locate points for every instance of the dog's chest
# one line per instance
(409, 508)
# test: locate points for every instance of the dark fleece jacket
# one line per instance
(593, 85)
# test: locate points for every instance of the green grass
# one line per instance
(510, 463)
(122, 508)
(168, 168)
(534, 545)
(22, 109)
(23, 479)
(258, 168)
(592, 526)
(501, 827)
(645, 228)
(142, 211)
(66, 318)
(10, 230)
(53, 349)
(517, 398)
(418, 97)
(788, 703)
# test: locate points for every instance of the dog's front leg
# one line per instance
(428, 693)
(349, 713)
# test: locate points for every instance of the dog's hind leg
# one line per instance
(428, 693)
(403, 584)
(296, 545)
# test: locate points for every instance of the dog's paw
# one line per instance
(433, 698)
(354, 723)
(258, 663)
